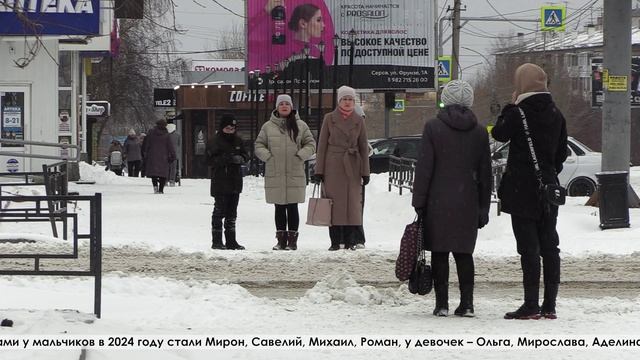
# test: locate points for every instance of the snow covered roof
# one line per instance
(577, 40)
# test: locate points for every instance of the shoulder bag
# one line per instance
(319, 209)
(420, 281)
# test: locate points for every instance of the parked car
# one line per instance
(578, 174)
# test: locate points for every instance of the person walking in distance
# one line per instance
(225, 155)
(284, 144)
(532, 219)
(158, 153)
(133, 153)
(175, 142)
(452, 192)
(342, 164)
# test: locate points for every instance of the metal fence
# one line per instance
(401, 172)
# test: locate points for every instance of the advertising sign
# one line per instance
(217, 65)
(392, 41)
(164, 97)
(600, 83)
(64, 125)
(12, 116)
(46, 17)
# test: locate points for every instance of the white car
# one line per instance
(578, 174)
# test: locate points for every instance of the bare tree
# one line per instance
(231, 43)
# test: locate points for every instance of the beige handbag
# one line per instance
(319, 212)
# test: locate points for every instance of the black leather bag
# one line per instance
(554, 194)
(421, 281)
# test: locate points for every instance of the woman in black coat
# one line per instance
(158, 153)
(452, 192)
(532, 220)
(225, 154)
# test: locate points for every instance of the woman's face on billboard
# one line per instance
(316, 25)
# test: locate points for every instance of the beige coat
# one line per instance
(343, 159)
(284, 177)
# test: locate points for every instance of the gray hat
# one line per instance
(457, 92)
(285, 98)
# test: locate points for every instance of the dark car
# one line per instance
(399, 146)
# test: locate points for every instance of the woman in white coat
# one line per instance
(284, 144)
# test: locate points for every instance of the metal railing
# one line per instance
(32, 210)
(75, 148)
(401, 172)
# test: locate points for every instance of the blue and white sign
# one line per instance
(49, 17)
(13, 165)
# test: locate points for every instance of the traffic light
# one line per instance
(439, 102)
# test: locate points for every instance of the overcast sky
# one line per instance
(204, 19)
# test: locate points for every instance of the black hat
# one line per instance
(226, 120)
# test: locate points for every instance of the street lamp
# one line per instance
(306, 79)
(275, 77)
(336, 46)
(320, 85)
(251, 86)
(254, 163)
(285, 75)
(293, 75)
(352, 47)
(266, 99)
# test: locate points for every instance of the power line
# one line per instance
(229, 10)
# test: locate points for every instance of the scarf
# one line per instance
(345, 114)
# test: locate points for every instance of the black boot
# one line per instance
(281, 235)
(442, 298)
(232, 244)
(216, 240)
(548, 309)
(530, 310)
(466, 301)
(292, 240)
(335, 233)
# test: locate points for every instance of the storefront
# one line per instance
(199, 106)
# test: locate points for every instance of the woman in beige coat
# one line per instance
(284, 144)
(343, 165)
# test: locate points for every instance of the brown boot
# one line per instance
(292, 240)
(281, 235)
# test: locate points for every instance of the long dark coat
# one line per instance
(518, 190)
(133, 148)
(158, 152)
(226, 177)
(343, 159)
(452, 181)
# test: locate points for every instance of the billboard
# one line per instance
(42, 17)
(217, 65)
(597, 94)
(393, 41)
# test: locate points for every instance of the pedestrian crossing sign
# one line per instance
(553, 18)
(444, 69)
(398, 106)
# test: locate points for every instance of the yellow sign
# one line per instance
(618, 83)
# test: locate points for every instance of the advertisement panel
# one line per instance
(45, 17)
(393, 41)
(217, 65)
(599, 82)
(12, 113)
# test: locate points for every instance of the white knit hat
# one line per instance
(457, 92)
(285, 98)
(346, 91)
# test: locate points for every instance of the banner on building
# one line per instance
(217, 65)
(12, 114)
(392, 41)
(164, 97)
(42, 17)
(600, 82)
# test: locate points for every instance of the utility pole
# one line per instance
(616, 115)
(455, 42)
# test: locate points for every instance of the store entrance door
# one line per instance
(199, 136)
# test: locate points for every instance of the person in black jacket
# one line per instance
(452, 192)
(532, 219)
(225, 154)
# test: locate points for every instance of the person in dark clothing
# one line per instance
(225, 154)
(158, 153)
(133, 153)
(533, 221)
(452, 192)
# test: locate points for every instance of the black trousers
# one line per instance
(160, 182)
(133, 167)
(345, 234)
(464, 267)
(225, 207)
(535, 239)
(287, 215)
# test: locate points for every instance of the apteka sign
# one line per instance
(49, 17)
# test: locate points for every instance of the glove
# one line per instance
(237, 159)
(365, 180)
(419, 212)
(483, 219)
(318, 178)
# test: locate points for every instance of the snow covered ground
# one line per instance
(337, 306)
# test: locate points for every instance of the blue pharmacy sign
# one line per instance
(49, 17)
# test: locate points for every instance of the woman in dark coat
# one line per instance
(342, 163)
(158, 152)
(533, 223)
(225, 154)
(133, 153)
(452, 191)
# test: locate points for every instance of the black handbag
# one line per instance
(421, 281)
(552, 194)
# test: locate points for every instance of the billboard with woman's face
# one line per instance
(393, 41)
